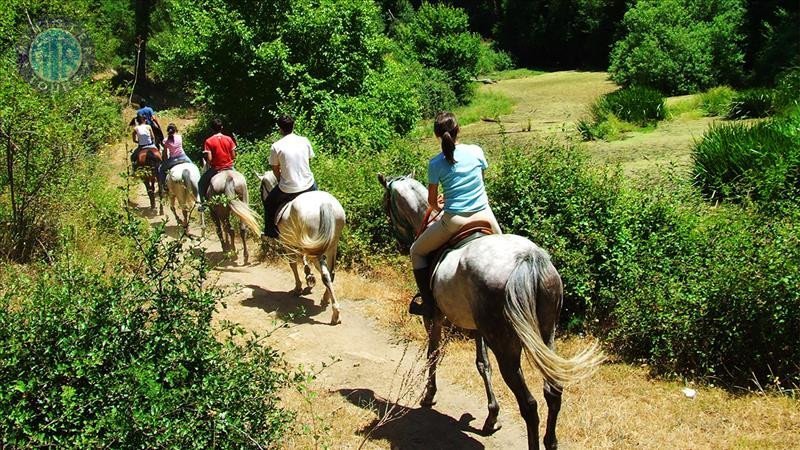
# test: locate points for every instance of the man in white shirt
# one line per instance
(289, 158)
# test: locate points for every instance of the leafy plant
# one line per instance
(752, 103)
(717, 101)
(131, 359)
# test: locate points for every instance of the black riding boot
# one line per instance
(426, 306)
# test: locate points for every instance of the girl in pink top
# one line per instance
(173, 146)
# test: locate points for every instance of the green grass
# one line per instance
(484, 104)
(514, 74)
(717, 101)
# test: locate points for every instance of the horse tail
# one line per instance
(525, 285)
(293, 234)
(242, 210)
(186, 176)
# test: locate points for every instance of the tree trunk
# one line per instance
(143, 10)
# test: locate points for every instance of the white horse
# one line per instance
(226, 194)
(505, 288)
(182, 187)
(310, 227)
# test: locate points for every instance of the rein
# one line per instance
(427, 220)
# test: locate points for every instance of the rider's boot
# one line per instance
(426, 305)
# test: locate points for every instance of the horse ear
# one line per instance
(382, 180)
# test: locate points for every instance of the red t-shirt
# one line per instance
(221, 148)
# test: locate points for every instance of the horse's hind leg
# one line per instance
(243, 234)
(482, 361)
(434, 328)
(218, 226)
(327, 280)
(298, 285)
(552, 395)
(230, 234)
(508, 357)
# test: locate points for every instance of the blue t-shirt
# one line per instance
(462, 182)
(146, 112)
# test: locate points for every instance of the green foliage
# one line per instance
(550, 195)
(776, 40)
(68, 128)
(738, 161)
(131, 359)
(438, 36)
(752, 103)
(680, 46)
(623, 110)
(661, 277)
(492, 60)
(717, 101)
(787, 90)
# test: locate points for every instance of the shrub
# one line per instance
(691, 290)
(717, 101)
(435, 93)
(738, 161)
(638, 105)
(787, 90)
(680, 46)
(752, 103)
(438, 36)
(491, 59)
(131, 360)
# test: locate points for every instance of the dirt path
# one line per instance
(364, 364)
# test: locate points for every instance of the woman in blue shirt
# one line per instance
(459, 169)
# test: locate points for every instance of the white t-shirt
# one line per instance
(292, 153)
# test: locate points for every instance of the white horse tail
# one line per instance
(242, 210)
(188, 183)
(293, 234)
(525, 284)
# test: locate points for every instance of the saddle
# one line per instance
(465, 235)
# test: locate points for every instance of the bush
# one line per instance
(752, 103)
(737, 161)
(787, 90)
(130, 360)
(623, 110)
(492, 60)
(717, 101)
(680, 46)
(691, 290)
(438, 36)
(638, 105)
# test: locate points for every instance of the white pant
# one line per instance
(440, 232)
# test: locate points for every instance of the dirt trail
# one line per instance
(365, 363)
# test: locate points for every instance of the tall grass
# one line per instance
(717, 101)
(752, 103)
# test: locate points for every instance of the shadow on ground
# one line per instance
(414, 428)
(286, 306)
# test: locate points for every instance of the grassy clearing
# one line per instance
(484, 105)
(514, 74)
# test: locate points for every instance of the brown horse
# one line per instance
(505, 289)
(145, 167)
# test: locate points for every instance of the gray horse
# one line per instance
(310, 227)
(506, 289)
(227, 193)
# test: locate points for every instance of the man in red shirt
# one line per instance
(220, 152)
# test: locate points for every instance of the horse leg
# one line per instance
(485, 369)
(310, 280)
(172, 207)
(150, 192)
(243, 234)
(229, 232)
(298, 285)
(327, 280)
(330, 259)
(508, 357)
(552, 395)
(434, 328)
(218, 226)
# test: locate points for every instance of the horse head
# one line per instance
(404, 203)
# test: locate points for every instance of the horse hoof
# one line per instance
(335, 320)
(306, 290)
(427, 402)
(310, 281)
(491, 428)
(296, 291)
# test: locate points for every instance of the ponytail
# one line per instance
(448, 147)
(445, 126)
